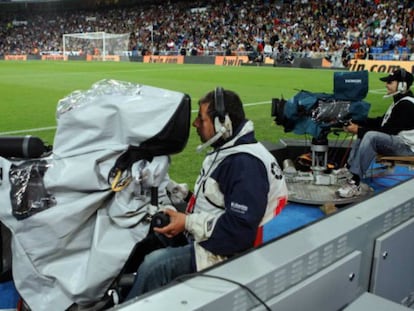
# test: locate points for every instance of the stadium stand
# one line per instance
(284, 29)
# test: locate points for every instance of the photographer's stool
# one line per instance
(391, 161)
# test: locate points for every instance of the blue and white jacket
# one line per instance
(239, 189)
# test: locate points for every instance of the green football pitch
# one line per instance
(31, 90)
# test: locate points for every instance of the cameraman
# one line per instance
(239, 189)
(390, 134)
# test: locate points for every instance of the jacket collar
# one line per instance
(244, 134)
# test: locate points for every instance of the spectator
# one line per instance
(296, 23)
(396, 54)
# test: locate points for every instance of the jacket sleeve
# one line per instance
(369, 124)
(200, 225)
(242, 178)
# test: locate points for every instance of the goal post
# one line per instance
(100, 45)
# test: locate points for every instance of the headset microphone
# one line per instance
(392, 94)
(213, 139)
(222, 122)
(401, 86)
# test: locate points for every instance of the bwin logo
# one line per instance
(355, 81)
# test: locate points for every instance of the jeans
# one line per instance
(161, 267)
(373, 143)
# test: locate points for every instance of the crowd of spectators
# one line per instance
(279, 29)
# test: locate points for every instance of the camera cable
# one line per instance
(246, 288)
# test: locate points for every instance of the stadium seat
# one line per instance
(376, 50)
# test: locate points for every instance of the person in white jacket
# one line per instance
(239, 189)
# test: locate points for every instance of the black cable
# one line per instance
(249, 290)
(347, 152)
(206, 174)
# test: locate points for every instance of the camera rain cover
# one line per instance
(113, 113)
(71, 233)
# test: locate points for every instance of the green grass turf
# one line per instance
(30, 92)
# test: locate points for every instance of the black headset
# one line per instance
(402, 85)
(221, 118)
(219, 104)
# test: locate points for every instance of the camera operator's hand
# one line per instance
(351, 128)
(176, 225)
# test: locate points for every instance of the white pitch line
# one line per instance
(40, 129)
(244, 105)
(378, 91)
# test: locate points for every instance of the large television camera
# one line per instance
(79, 213)
(316, 113)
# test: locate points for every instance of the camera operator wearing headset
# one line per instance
(390, 134)
(239, 189)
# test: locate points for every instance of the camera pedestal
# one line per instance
(307, 192)
(314, 187)
(319, 151)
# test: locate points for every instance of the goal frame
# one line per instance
(99, 35)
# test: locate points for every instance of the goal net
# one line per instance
(100, 45)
